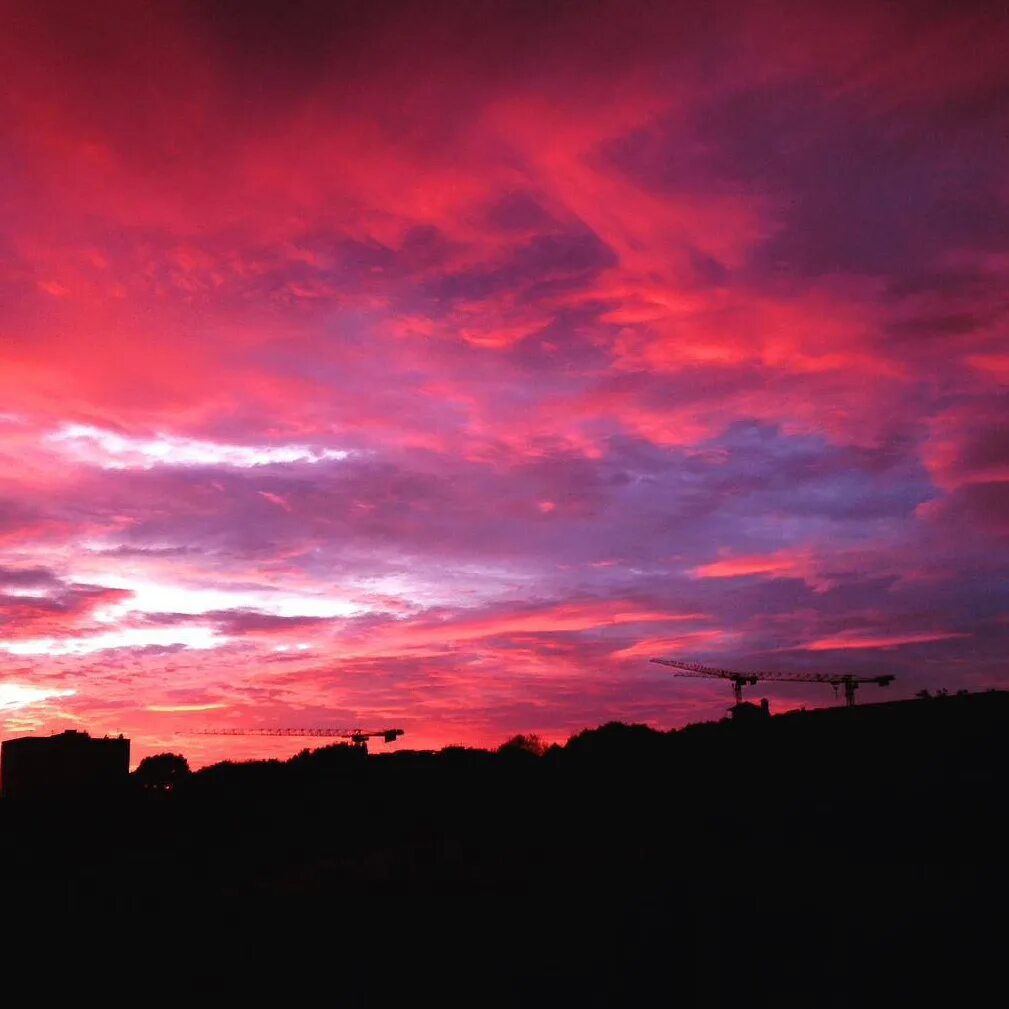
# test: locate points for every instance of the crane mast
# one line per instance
(848, 681)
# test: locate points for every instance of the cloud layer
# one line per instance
(438, 365)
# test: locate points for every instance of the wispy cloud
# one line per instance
(855, 639)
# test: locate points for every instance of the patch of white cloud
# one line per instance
(110, 450)
(150, 597)
(14, 696)
(182, 708)
(24, 592)
(127, 637)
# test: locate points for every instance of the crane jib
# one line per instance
(359, 737)
(848, 681)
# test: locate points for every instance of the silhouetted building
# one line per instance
(744, 711)
(65, 764)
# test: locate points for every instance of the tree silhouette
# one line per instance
(162, 772)
(524, 743)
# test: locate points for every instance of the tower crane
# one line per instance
(739, 680)
(358, 737)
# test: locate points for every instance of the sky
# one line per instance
(435, 365)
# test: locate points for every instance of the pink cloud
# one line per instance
(855, 639)
(781, 564)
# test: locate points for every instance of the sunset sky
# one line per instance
(435, 365)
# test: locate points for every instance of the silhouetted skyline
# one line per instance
(835, 857)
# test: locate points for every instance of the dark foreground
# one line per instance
(819, 859)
